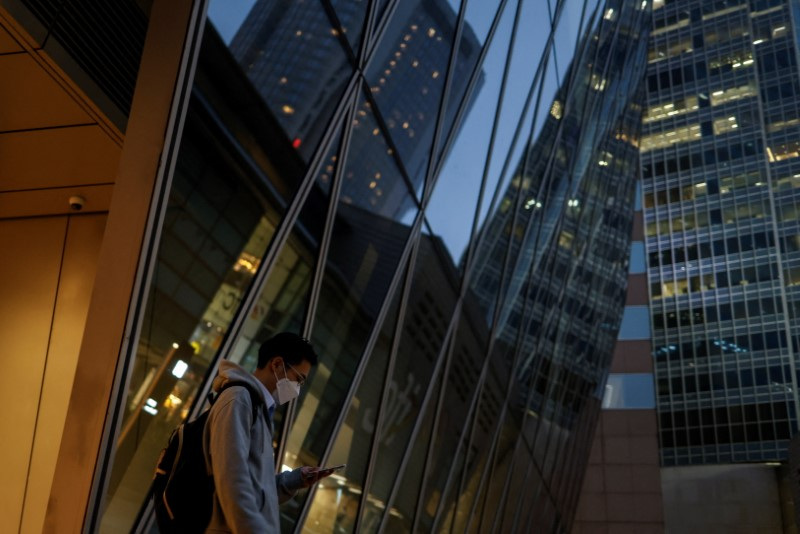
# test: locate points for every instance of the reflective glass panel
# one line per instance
(336, 504)
(406, 76)
(430, 306)
(366, 246)
(629, 391)
(452, 206)
(350, 14)
(400, 516)
(635, 323)
(477, 22)
(293, 58)
(216, 230)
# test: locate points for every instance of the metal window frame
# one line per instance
(146, 265)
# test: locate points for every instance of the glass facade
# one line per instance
(440, 196)
(720, 166)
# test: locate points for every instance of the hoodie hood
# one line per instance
(230, 372)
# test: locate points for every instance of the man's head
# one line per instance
(285, 355)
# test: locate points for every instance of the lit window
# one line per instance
(725, 125)
(555, 109)
(598, 83)
(670, 109)
(663, 139)
(722, 96)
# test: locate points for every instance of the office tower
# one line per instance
(463, 285)
(719, 167)
(278, 37)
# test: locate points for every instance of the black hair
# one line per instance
(291, 347)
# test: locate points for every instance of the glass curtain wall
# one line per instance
(438, 194)
(720, 166)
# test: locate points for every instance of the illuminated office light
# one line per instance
(175, 345)
(555, 109)
(180, 368)
(287, 109)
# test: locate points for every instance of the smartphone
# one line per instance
(333, 467)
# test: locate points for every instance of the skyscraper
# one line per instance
(462, 285)
(720, 153)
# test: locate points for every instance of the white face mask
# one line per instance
(285, 389)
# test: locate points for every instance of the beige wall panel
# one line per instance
(84, 236)
(40, 202)
(32, 99)
(29, 272)
(119, 258)
(80, 155)
(7, 43)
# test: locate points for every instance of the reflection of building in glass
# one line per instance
(293, 58)
(234, 216)
(291, 64)
(567, 214)
(720, 167)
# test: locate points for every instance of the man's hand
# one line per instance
(312, 475)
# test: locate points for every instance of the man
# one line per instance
(238, 446)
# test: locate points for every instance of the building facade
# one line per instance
(444, 217)
(720, 165)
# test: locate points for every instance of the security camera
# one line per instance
(76, 202)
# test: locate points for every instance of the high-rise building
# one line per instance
(720, 170)
(440, 200)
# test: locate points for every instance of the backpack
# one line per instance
(183, 491)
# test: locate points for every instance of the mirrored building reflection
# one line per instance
(439, 195)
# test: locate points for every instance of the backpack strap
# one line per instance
(255, 397)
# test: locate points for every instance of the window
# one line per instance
(664, 139)
(635, 323)
(633, 391)
(670, 109)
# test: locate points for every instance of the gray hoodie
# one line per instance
(239, 453)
